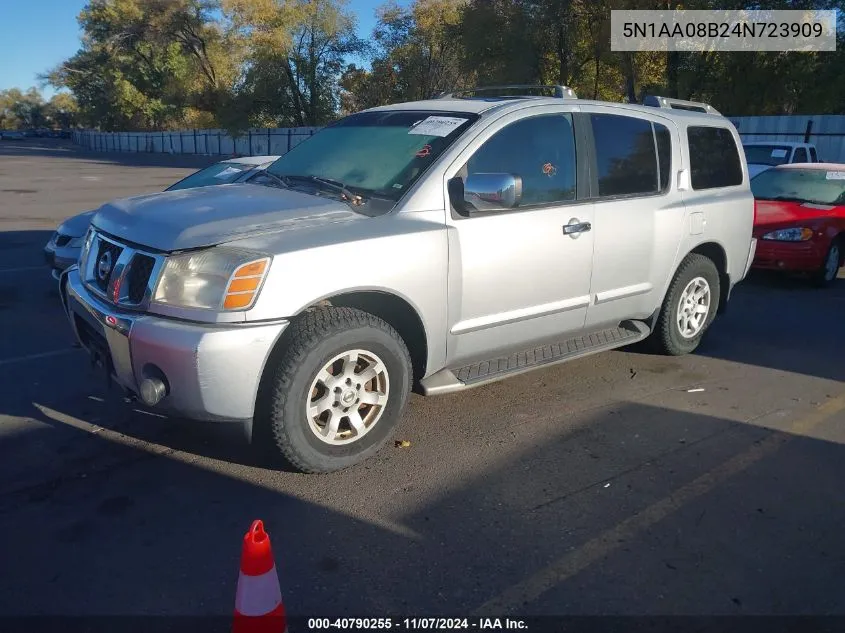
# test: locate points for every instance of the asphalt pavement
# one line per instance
(620, 484)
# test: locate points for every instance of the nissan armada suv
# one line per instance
(436, 245)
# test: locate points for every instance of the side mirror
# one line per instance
(486, 192)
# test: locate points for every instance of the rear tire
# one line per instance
(689, 307)
(829, 270)
(335, 394)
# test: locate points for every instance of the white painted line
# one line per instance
(21, 359)
(43, 267)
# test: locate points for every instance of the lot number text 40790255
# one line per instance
(428, 624)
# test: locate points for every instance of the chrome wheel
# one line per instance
(831, 264)
(348, 397)
(693, 307)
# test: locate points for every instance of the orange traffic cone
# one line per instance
(258, 601)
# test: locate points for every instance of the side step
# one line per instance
(449, 380)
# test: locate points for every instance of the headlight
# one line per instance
(86, 248)
(790, 235)
(76, 242)
(216, 278)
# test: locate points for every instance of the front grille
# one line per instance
(102, 276)
(62, 240)
(128, 280)
(138, 277)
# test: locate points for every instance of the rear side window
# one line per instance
(800, 155)
(664, 154)
(626, 155)
(813, 157)
(714, 159)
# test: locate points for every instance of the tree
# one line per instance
(294, 56)
(145, 63)
(416, 53)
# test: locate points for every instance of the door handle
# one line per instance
(574, 227)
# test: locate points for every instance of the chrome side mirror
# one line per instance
(486, 192)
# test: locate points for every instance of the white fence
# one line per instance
(255, 142)
(825, 131)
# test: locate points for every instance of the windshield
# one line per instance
(217, 174)
(377, 154)
(767, 154)
(817, 186)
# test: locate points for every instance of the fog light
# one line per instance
(152, 391)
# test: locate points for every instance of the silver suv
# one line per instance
(436, 245)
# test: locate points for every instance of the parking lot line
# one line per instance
(21, 359)
(608, 541)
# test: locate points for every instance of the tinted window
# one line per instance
(625, 155)
(767, 154)
(379, 153)
(813, 157)
(714, 159)
(664, 154)
(541, 150)
(800, 155)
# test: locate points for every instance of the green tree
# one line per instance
(416, 53)
(294, 56)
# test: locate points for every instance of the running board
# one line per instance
(449, 380)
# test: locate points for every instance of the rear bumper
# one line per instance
(789, 256)
(211, 372)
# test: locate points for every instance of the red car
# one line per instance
(799, 219)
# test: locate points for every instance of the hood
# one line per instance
(769, 213)
(205, 216)
(77, 225)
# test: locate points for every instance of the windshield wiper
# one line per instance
(329, 184)
(272, 177)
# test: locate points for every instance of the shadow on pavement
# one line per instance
(782, 323)
(160, 534)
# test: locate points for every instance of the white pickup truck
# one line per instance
(761, 155)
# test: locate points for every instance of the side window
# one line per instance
(540, 149)
(714, 159)
(800, 155)
(626, 157)
(664, 154)
(813, 157)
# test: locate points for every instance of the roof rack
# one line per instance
(679, 104)
(559, 92)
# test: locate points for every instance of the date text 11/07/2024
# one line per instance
(412, 624)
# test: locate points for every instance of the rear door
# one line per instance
(638, 220)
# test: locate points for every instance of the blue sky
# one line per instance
(38, 34)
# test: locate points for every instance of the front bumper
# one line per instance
(789, 256)
(212, 372)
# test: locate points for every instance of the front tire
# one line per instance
(335, 394)
(829, 270)
(689, 307)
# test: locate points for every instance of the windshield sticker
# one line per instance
(778, 153)
(425, 151)
(437, 126)
(229, 171)
(549, 169)
(835, 175)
